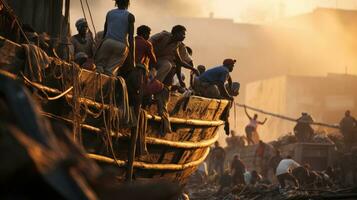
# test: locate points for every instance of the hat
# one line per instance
(81, 22)
(229, 61)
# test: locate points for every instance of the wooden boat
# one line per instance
(173, 156)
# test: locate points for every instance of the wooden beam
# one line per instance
(149, 140)
(149, 166)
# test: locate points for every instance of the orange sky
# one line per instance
(241, 10)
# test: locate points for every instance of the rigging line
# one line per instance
(7, 7)
(84, 12)
(91, 17)
(285, 117)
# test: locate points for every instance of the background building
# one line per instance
(325, 98)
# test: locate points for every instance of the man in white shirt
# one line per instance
(284, 171)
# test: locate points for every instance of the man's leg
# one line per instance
(281, 179)
(163, 69)
(162, 101)
(290, 177)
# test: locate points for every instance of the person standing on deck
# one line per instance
(83, 41)
(348, 127)
(118, 43)
(145, 60)
(166, 48)
(251, 128)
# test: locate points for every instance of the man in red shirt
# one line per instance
(144, 50)
(145, 59)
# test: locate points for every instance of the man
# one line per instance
(167, 47)
(303, 130)
(238, 169)
(251, 128)
(348, 129)
(275, 160)
(284, 171)
(145, 59)
(218, 157)
(117, 46)
(83, 41)
(211, 84)
(166, 50)
(144, 50)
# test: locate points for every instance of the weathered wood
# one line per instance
(149, 140)
(142, 165)
(174, 156)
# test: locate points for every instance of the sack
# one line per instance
(153, 87)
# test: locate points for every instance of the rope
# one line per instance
(7, 7)
(285, 117)
(91, 18)
(47, 96)
(84, 13)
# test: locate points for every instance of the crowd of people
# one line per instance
(151, 65)
(268, 166)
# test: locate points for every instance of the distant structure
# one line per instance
(325, 98)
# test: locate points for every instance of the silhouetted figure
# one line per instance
(218, 157)
(83, 41)
(303, 130)
(117, 46)
(348, 128)
(275, 160)
(225, 181)
(238, 169)
(251, 128)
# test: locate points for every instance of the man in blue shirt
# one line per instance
(211, 83)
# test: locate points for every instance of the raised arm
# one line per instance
(131, 55)
(246, 113)
(263, 122)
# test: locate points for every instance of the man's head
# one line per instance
(229, 63)
(143, 31)
(216, 144)
(289, 157)
(122, 4)
(261, 142)
(82, 26)
(201, 68)
(255, 117)
(348, 113)
(236, 157)
(179, 33)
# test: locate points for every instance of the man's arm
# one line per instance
(179, 77)
(131, 20)
(152, 56)
(246, 113)
(105, 28)
(263, 122)
(184, 64)
(223, 91)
